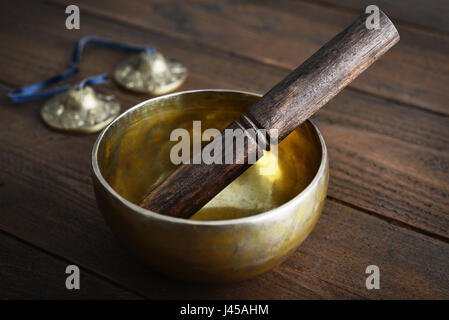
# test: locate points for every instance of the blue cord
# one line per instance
(93, 81)
(33, 92)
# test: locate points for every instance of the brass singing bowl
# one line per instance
(247, 229)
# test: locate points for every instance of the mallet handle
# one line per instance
(284, 107)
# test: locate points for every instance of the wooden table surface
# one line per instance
(387, 135)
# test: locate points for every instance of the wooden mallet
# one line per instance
(284, 107)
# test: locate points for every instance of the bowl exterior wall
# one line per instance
(229, 250)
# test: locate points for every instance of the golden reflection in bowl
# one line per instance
(137, 159)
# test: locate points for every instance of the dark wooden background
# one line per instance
(387, 134)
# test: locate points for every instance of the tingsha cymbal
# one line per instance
(80, 110)
(150, 73)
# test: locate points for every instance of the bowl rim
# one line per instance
(250, 219)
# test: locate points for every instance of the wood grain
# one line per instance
(328, 71)
(285, 33)
(404, 178)
(419, 196)
(27, 273)
(330, 264)
(430, 13)
(389, 159)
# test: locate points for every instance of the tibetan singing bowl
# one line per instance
(248, 228)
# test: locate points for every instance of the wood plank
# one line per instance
(346, 241)
(60, 215)
(389, 159)
(27, 273)
(405, 177)
(285, 33)
(430, 13)
(51, 171)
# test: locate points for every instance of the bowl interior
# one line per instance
(134, 154)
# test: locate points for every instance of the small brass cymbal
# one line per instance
(80, 110)
(151, 73)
